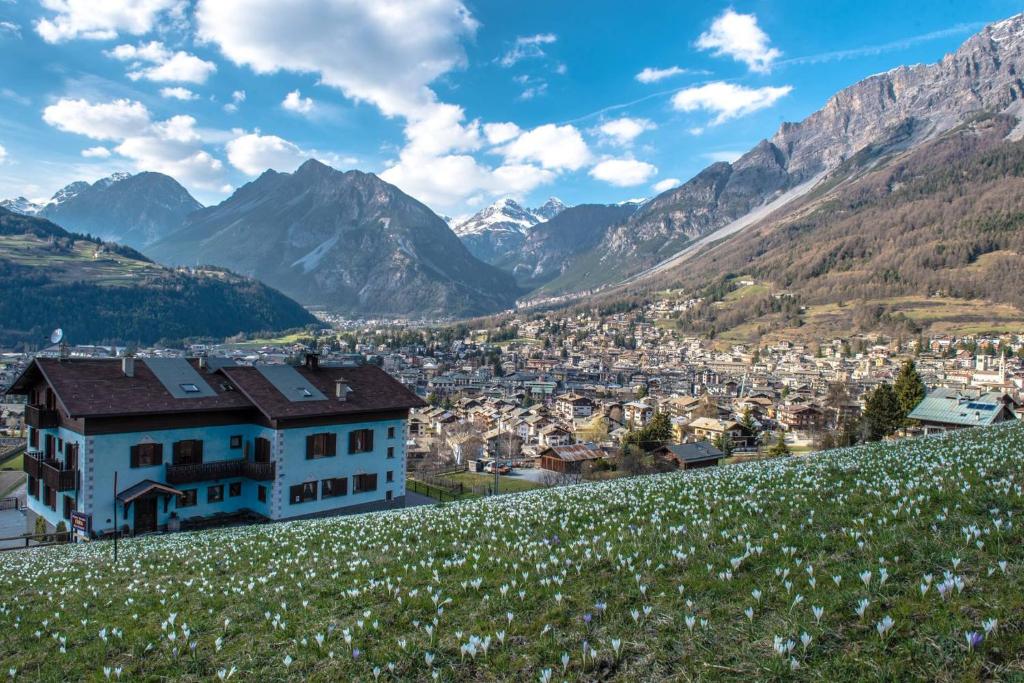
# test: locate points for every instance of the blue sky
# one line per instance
(456, 102)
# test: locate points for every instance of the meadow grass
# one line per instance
(886, 562)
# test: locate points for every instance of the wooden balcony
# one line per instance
(41, 418)
(224, 469)
(50, 472)
(31, 464)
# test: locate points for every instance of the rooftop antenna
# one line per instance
(57, 341)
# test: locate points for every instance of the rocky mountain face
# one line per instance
(136, 210)
(549, 247)
(100, 292)
(349, 242)
(901, 108)
(499, 231)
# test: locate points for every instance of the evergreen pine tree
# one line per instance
(908, 387)
(883, 414)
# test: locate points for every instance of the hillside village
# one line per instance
(566, 394)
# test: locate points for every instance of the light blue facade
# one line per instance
(100, 456)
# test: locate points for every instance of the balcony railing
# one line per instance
(224, 469)
(31, 463)
(40, 417)
(36, 465)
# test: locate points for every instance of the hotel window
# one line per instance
(362, 483)
(391, 451)
(33, 487)
(322, 445)
(236, 441)
(360, 441)
(262, 453)
(187, 498)
(33, 437)
(215, 494)
(391, 432)
(188, 452)
(329, 488)
(390, 477)
(147, 455)
(69, 505)
(387, 496)
(234, 489)
(261, 494)
(303, 493)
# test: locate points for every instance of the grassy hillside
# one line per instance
(941, 223)
(703, 575)
(103, 293)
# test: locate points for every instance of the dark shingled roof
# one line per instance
(98, 388)
(372, 390)
(694, 452)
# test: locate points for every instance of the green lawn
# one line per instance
(875, 563)
(505, 484)
(14, 463)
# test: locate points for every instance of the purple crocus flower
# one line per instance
(586, 618)
(974, 639)
(355, 653)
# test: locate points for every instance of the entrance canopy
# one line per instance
(145, 488)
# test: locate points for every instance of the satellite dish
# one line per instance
(56, 336)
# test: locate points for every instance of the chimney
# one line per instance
(342, 390)
(312, 361)
(202, 362)
(128, 366)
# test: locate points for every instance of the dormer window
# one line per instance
(189, 388)
(304, 392)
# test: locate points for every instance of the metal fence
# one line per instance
(10, 503)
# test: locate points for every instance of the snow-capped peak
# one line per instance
(25, 207)
(506, 214)
(112, 178)
(549, 209)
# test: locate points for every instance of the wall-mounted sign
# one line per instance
(81, 522)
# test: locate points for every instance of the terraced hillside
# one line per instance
(885, 562)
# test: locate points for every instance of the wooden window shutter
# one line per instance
(332, 444)
(135, 456)
(158, 454)
(351, 442)
(310, 446)
(197, 450)
(368, 446)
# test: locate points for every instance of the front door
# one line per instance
(145, 515)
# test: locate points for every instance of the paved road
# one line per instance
(13, 522)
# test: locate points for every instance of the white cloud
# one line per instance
(294, 101)
(449, 180)
(623, 172)
(527, 47)
(497, 133)
(553, 147)
(172, 146)
(727, 155)
(113, 120)
(253, 153)
(373, 52)
(99, 152)
(727, 100)
(165, 66)
(11, 28)
(178, 93)
(3, 154)
(653, 75)
(237, 97)
(738, 36)
(624, 130)
(666, 184)
(103, 20)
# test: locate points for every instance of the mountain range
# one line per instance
(353, 243)
(348, 241)
(135, 210)
(102, 292)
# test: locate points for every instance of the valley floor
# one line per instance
(886, 562)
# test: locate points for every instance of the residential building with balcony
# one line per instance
(143, 444)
